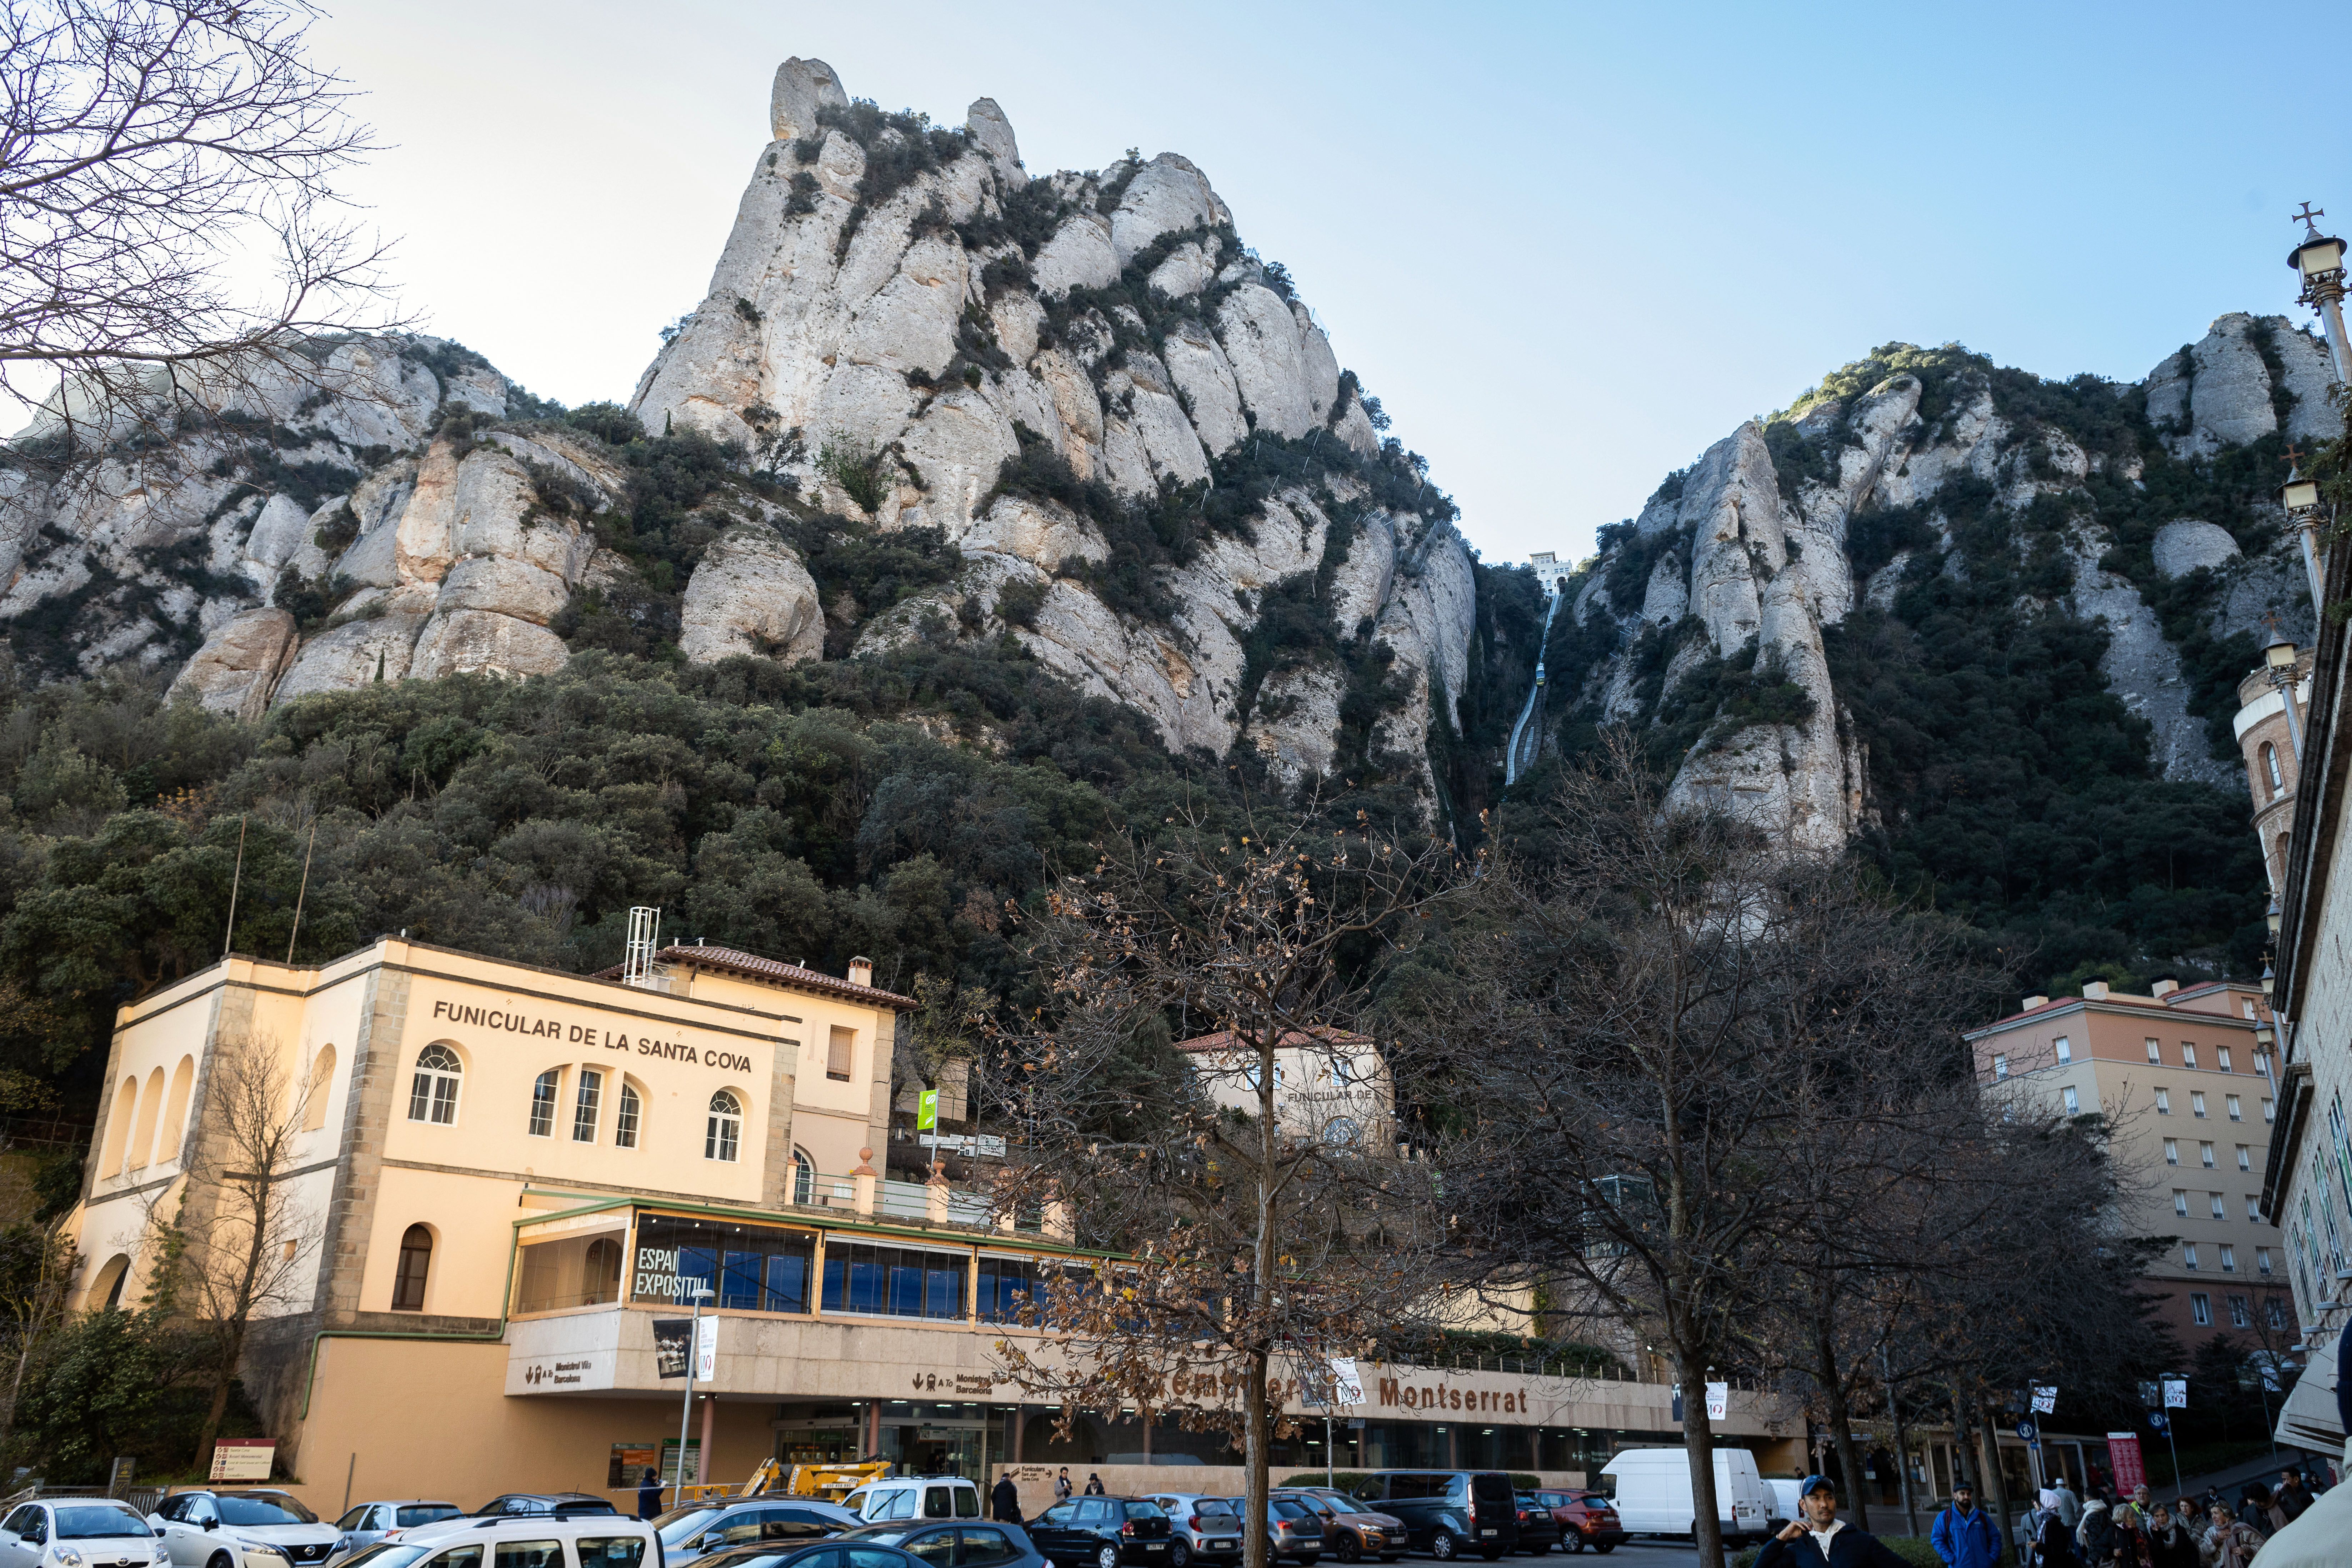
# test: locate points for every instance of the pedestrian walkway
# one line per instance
(2263, 1468)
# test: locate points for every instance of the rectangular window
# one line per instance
(585, 1106)
(2188, 1053)
(2276, 1313)
(2065, 1051)
(2197, 1104)
(2171, 1151)
(542, 1105)
(2154, 1054)
(893, 1281)
(2205, 1154)
(2164, 1102)
(2270, 1111)
(625, 1122)
(2180, 1202)
(837, 1052)
(2253, 1207)
(1008, 1287)
(750, 1267)
(2246, 1158)
(2000, 1066)
(2240, 1316)
(2229, 1259)
(2074, 1102)
(2188, 1255)
(2237, 1112)
(2222, 1055)
(2220, 1212)
(2261, 1260)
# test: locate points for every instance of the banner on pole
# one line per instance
(2045, 1399)
(926, 1117)
(1347, 1385)
(2123, 1461)
(706, 1349)
(1719, 1401)
(2176, 1393)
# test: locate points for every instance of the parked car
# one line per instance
(1539, 1531)
(835, 1553)
(960, 1545)
(566, 1540)
(701, 1528)
(370, 1522)
(914, 1497)
(1653, 1492)
(1585, 1519)
(230, 1529)
(1103, 1532)
(90, 1532)
(512, 1504)
(1208, 1528)
(1448, 1512)
(1293, 1529)
(1351, 1531)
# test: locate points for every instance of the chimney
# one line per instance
(2095, 990)
(861, 972)
(2164, 987)
(2034, 1002)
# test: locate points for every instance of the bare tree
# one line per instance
(1654, 1037)
(38, 1263)
(231, 1247)
(150, 152)
(1253, 1189)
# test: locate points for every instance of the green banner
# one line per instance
(927, 1118)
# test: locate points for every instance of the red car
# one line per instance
(1585, 1519)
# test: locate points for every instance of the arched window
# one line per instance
(106, 1289)
(415, 1262)
(142, 1137)
(724, 1135)
(587, 1106)
(118, 1134)
(322, 1082)
(2270, 769)
(803, 1177)
(602, 1281)
(1342, 1132)
(433, 1092)
(175, 1110)
(543, 1102)
(630, 1117)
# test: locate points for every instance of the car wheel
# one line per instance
(220, 1560)
(1107, 1557)
(1443, 1546)
(1350, 1550)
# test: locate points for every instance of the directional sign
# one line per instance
(2026, 1431)
(2156, 1421)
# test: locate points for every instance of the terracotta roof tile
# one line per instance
(734, 961)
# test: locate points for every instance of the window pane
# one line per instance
(585, 1105)
(676, 1255)
(610, 1551)
(625, 1125)
(738, 1285)
(542, 1105)
(527, 1554)
(787, 1283)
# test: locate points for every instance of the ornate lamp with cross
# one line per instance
(2319, 261)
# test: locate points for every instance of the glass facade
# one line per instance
(747, 1267)
(866, 1281)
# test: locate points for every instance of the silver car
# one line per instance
(256, 1528)
(700, 1528)
(1200, 1526)
(370, 1522)
(82, 1533)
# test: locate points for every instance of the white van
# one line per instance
(540, 1540)
(1652, 1492)
(914, 1497)
(1786, 1504)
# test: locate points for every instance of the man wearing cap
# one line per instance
(1821, 1539)
(1962, 1536)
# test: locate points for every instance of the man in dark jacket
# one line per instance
(649, 1492)
(1821, 1539)
(1962, 1536)
(1004, 1502)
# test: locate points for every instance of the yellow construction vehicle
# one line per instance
(830, 1482)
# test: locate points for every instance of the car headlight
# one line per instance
(263, 1549)
(67, 1556)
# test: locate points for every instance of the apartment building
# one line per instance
(2185, 1076)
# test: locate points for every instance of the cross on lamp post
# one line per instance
(2319, 260)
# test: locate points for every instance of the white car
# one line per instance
(92, 1534)
(257, 1528)
(544, 1541)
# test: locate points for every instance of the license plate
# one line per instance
(1155, 1546)
(1490, 1533)
(1214, 1545)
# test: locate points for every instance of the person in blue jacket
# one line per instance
(1822, 1540)
(1963, 1535)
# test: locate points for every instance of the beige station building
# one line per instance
(500, 1178)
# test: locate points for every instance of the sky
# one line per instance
(1569, 247)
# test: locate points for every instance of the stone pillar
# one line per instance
(937, 1192)
(868, 1182)
(783, 1077)
(367, 1118)
(709, 1423)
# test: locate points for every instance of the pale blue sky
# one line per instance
(1568, 246)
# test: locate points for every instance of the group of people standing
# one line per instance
(2103, 1532)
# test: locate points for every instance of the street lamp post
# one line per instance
(2278, 661)
(700, 1294)
(2319, 261)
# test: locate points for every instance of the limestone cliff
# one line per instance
(1113, 432)
(2145, 511)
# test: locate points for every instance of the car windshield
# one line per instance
(680, 1525)
(1337, 1504)
(90, 1521)
(384, 1554)
(257, 1511)
(415, 1513)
